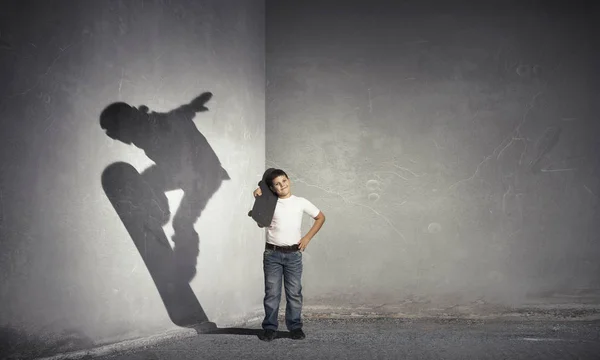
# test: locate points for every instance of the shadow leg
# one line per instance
(143, 216)
(185, 237)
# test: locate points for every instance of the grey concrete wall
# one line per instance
(69, 266)
(453, 148)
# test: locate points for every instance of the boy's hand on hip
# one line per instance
(303, 243)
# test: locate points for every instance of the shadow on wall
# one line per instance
(183, 160)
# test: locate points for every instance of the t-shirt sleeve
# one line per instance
(311, 209)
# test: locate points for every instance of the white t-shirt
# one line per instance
(285, 229)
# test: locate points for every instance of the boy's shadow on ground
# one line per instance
(249, 332)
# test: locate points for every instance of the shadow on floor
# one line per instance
(247, 332)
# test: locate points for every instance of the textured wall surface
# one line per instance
(69, 265)
(453, 148)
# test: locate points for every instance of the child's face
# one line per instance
(281, 186)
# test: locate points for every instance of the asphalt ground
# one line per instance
(387, 338)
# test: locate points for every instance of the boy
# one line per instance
(282, 257)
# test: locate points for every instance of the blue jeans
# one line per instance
(286, 265)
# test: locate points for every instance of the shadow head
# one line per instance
(120, 121)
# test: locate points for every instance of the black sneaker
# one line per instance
(268, 335)
(297, 334)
